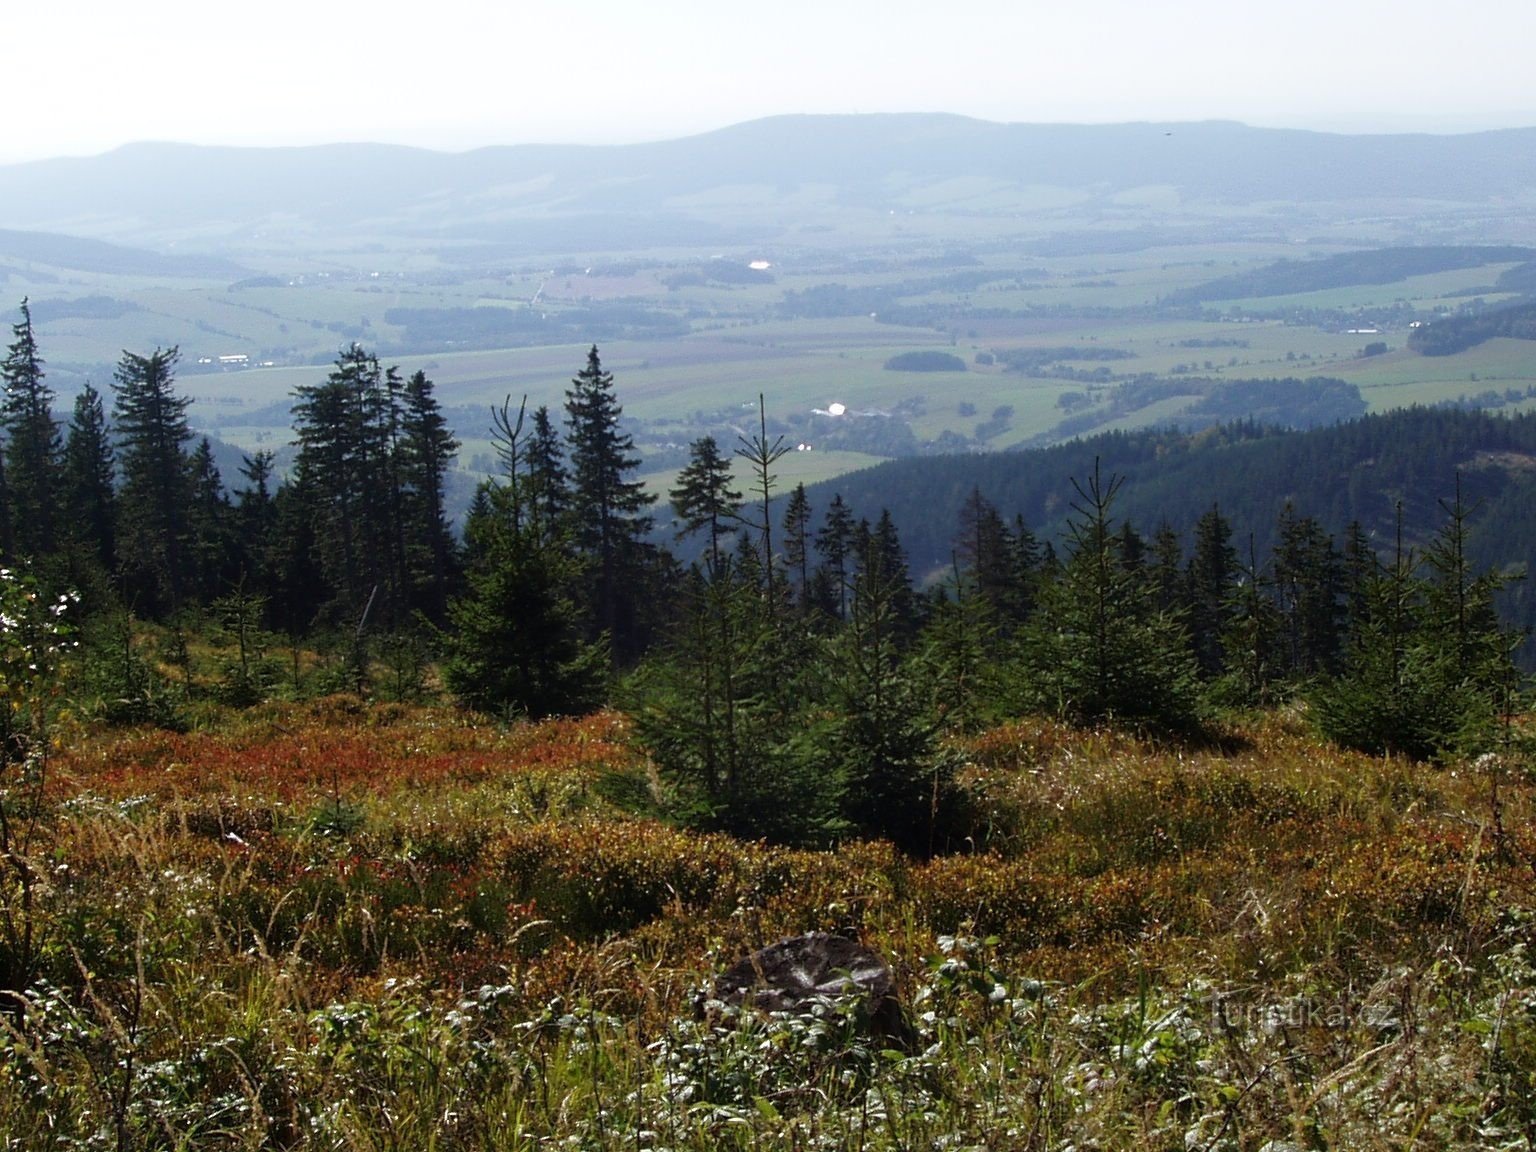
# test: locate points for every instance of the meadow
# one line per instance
(352, 924)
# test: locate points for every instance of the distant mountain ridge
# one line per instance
(142, 191)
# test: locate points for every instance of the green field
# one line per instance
(931, 280)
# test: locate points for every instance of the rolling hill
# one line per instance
(769, 174)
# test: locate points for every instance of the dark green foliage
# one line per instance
(1371, 266)
(880, 739)
(514, 641)
(925, 362)
(33, 449)
(1212, 580)
(798, 544)
(1316, 402)
(1338, 474)
(834, 544)
(608, 507)
(124, 687)
(704, 499)
(255, 525)
(90, 500)
(1308, 583)
(547, 482)
(1453, 334)
(1429, 668)
(374, 451)
(248, 677)
(724, 713)
(1102, 649)
(962, 653)
(984, 551)
(212, 553)
(1392, 695)
(343, 447)
(1250, 641)
(427, 447)
(150, 420)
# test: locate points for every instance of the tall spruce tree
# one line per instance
(348, 436)
(150, 420)
(1308, 583)
(879, 737)
(90, 471)
(797, 543)
(704, 499)
(608, 506)
(213, 549)
(549, 483)
(1212, 576)
(34, 448)
(834, 544)
(761, 454)
(429, 447)
(514, 643)
(984, 549)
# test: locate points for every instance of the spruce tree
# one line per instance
(761, 455)
(548, 481)
(797, 544)
(1394, 693)
(1251, 643)
(33, 449)
(724, 712)
(704, 499)
(880, 738)
(515, 637)
(347, 430)
(255, 512)
(428, 447)
(1212, 575)
(1102, 648)
(211, 538)
(1308, 584)
(834, 544)
(514, 642)
(1166, 571)
(89, 484)
(608, 507)
(150, 420)
(984, 550)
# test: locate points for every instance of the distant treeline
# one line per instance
(1458, 333)
(925, 362)
(1382, 266)
(1281, 403)
(1033, 361)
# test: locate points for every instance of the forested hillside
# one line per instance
(1355, 472)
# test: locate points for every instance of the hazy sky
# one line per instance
(86, 76)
